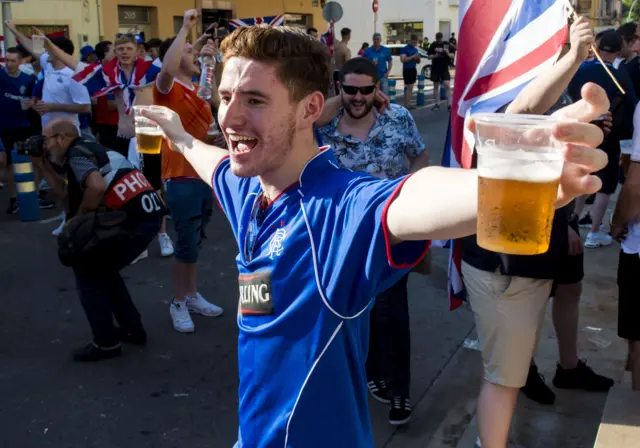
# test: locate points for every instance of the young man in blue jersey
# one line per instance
(317, 243)
(15, 100)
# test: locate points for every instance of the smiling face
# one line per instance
(257, 117)
(356, 104)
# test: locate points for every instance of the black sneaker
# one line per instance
(436, 107)
(379, 391)
(585, 221)
(139, 338)
(400, 412)
(536, 389)
(13, 206)
(92, 352)
(582, 377)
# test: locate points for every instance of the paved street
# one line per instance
(181, 389)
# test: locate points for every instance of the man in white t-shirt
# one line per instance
(62, 97)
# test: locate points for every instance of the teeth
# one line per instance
(239, 138)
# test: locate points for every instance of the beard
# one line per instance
(270, 153)
(350, 107)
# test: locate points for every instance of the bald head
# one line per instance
(61, 126)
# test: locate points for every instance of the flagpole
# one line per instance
(574, 15)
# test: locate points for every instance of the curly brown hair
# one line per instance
(302, 63)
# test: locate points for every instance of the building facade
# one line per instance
(397, 20)
(601, 13)
(79, 20)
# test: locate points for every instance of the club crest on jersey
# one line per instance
(256, 297)
(275, 245)
(23, 90)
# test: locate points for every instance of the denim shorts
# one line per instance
(191, 204)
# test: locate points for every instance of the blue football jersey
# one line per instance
(310, 265)
(12, 91)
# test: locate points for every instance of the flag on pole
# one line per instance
(268, 20)
(328, 39)
(502, 46)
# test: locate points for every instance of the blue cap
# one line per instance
(86, 51)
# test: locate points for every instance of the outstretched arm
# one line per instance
(424, 210)
(26, 42)
(55, 51)
(171, 62)
(202, 157)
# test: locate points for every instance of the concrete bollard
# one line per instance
(420, 101)
(24, 175)
(443, 92)
(392, 91)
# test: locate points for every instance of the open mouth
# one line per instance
(241, 144)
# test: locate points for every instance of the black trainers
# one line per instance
(379, 391)
(436, 107)
(131, 338)
(400, 412)
(582, 377)
(536, 389)
(45, 204)
(92, 352)
(13, 206)
(585, 221)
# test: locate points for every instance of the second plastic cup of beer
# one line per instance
(519, 169)
(149, 136)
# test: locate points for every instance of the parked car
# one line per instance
(424, 67)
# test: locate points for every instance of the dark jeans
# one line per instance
(104, 294)
(390, 340)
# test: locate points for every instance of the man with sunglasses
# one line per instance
(386, 145)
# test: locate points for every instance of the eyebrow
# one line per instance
(255, 93)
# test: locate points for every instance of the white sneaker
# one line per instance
(181, 318)
(142, 256)
(58, 231)
(200, 305)
(597, 239)
(166, 246)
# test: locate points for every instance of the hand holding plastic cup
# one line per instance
(149, 135)
(519, 169)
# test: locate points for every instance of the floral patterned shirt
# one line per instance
(393, 140)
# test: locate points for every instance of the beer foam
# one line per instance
(518, 164)
(149, 131)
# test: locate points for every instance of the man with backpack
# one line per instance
(114, 213)
(622, 109)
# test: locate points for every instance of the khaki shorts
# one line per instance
(509, 313)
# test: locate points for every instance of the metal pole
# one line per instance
(9, 38)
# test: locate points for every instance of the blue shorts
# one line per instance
(191, 204)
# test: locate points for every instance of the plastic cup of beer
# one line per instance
(37, 42)
(149, 135)
(519, 169)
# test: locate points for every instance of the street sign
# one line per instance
(375, 5)
(332, 12)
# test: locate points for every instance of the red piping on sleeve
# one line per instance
(213, 183)
(387, 237)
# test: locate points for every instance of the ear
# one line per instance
(312, 107)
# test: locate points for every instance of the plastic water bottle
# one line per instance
(206, 78)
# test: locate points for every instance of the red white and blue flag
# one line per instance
(502, 46)
(267, 20)
(101, 80)
(328, 38)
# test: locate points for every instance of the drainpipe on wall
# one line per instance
(98, 8)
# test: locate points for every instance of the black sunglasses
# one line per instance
(127, 35)
(353, 90)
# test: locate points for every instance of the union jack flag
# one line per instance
(268, 20)
(101, 80)
(503, 45)
(328, 39)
